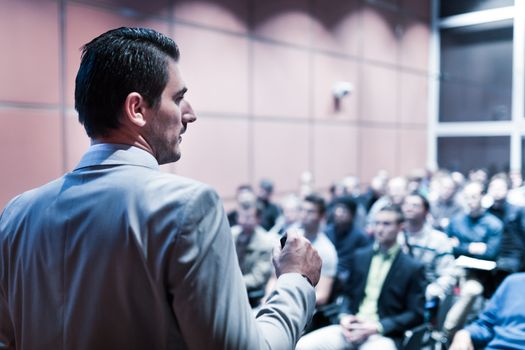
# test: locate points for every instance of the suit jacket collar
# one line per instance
(368, 256)
(117, 154)
(393, 268)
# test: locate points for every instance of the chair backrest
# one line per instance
(415, 338)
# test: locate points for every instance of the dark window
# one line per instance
(456, 7)
(476, 73)
(466, 153)
(523, 157)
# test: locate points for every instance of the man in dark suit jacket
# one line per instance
(385, 294)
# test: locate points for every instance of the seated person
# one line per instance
(290, 214)
(512, 251)
(269, 210)
(344, 234)
(311, 216)
(502, 324)
(443, 197)
(475, 233)
(385, 294)
(513, 237)
(429, 246)
(254, 250)
(244, 198)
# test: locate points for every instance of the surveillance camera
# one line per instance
(342, 88)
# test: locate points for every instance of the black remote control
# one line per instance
(283, 240)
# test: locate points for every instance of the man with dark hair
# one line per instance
(428, 245)
(512, 246)
(119, 255)
(244, 198)
(270, 211)
(344, 234)
(385, 294)
(311, 218)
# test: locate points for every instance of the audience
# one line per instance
(475, 232)
(385, 294)
(269, 211)
(396, 190)
(244, 198)
(428, 245)
(502, 324)
(512, 240)
(349, 186)
(443, 200)
(375, 191)
(254, 251)
(345, 236)
(290, 206)
(357, 280)
(311, 219)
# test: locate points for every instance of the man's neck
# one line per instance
(413, 226)
(247, 231)
(385, 247)
(311, 233)
(124, 136)
(342, 229)
(476, 214)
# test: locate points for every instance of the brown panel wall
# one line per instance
(260, 75)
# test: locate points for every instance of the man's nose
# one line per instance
(188, 115)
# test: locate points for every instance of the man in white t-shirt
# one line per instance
(311, 216)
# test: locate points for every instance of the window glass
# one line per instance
(523, 157)
(456, 7)
(476, 73)
(466, 153)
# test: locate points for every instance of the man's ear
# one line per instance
(134, 108)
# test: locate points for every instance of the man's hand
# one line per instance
(357, 330)
(462, 341)
(346, 320)
(297, 256)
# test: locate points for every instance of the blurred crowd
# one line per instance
(425, 251)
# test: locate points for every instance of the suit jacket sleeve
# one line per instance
(7, 337)
(414, 304)
(209, 296)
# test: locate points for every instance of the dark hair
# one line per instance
(266, 185)
(424, 200)
(113, 65)
(348, 202)
(257, 207)
(395, 209)
(318, 201)
(244, 187)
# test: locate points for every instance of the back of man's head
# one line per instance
(113, 65)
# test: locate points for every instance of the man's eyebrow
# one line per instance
(181, 92)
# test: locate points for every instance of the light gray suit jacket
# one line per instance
(119, 255)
